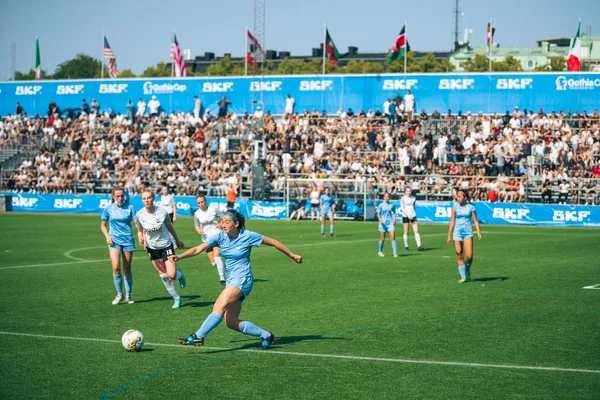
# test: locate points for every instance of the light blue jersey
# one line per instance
(386, 214)
(326, 201)
(237, 252)
(463, 217)
(120, 225)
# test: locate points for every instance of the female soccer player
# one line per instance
(120, 241)
(407, 203)
(206, 224)
(236, 244)
(327, 210)
(167, 201)
(386, 214)
(460, 229)
(154, 227)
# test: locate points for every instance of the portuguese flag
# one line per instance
(331, 52)
(574, 61)
(400, 46)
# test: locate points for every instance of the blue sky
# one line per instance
(140, 31)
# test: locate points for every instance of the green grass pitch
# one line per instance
(349, 324)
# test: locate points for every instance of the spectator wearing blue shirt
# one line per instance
(120, 241)
(236, 243)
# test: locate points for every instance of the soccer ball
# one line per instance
(133, 340)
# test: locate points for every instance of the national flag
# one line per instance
(490, 34)
(38, 67)
(113, 70)
(400, 46)
(255, 54)
(331, 52)
(574, 61)
(177, 58)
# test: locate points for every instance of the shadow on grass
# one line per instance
(491, 278)
(187, 301)
(279, 342)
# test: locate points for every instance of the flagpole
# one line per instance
(405, 44)
(173, 62)
(491, 33)
(324, 45)
(102, 58)
(246, 54)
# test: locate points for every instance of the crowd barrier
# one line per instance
(436, 212)
(488, 93)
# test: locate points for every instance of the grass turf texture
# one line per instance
(525, 307)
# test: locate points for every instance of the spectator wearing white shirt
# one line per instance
(289, 104)
(197, 107)
(153, 106)
(141, 109)
(258, 114)
(409, 104)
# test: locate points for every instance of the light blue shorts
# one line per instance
(387, 227)
(244, 283)
(327, 213)
(123, 247)
(462, 234)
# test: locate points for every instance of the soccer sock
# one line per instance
(322, 229)
(331, 229)
(394, 247)
(128, 285)
(220, 267)
(381, 246)
(405, 240)
(169, 286)
(249, 328)
(118, 279)
(178, 276)
(468, 265)
(462, 271)
(211, 322)
(418, 239)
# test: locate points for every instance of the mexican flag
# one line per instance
(400, 46)
(38, 68)
(331, 52)
(574, 61)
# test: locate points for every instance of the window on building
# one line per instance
(530, 64)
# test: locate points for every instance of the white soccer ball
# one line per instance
(133, 340)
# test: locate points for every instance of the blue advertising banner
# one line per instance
(456, 92)
(26, 202)
(437, 212)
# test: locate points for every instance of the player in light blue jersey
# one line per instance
(327, 210)
(460, 229)
(120, 241)
(236, 243)
(386, 214)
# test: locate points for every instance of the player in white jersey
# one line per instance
(407, 204)
(167, 201)
(315, 202)
(207, 223)
(154, 233)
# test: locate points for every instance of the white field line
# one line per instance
(330, 356)
(592, 287)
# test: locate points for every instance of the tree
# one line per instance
(362, 67)
(557, 64)
(479, 63)
(127, 74)
(80, 67)
(160, 70)
(512, 64)
(412, 65)
(30, 76)
(446, 65)
(225, 67)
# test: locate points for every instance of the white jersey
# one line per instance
(167, 202)
(314, 197)
(155, 227)
(207, 220)
(407, 204)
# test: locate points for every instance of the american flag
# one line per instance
(113, 70)
(177, 56)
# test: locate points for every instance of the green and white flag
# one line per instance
(38, 68)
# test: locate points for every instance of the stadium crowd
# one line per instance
(517, 156)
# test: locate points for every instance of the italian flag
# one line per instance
(574, 61)
(400, 46)
(331, 52)
(38, 68)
